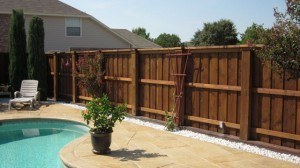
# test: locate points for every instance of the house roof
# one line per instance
(40, 7)
(58, 8)
(49, 8)
(136, 40)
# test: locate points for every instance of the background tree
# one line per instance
(253, 34)
(168, 40)
(282, 42)
(36, 55)
(142, 32)
(17, 50)
(222, 32)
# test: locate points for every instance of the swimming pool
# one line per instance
(36, 142)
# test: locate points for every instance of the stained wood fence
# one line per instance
(225, 84)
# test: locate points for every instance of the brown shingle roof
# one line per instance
(40, 7)
(136, 40)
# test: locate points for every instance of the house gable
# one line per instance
(50, 9)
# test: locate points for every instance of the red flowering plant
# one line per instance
(90, 72)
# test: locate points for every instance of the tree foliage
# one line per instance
(17, 50)
(222, 32)
(168, 40)
(253, 34)
(36, 55)
(282, 42)
(142, 32)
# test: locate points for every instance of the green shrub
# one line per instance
(103, 114)
(36, 55)
(170, 125)
(17, 50)
(282, 41)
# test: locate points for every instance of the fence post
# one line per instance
(134, 84)
(74, 90)
(246, 90)
(55, 80)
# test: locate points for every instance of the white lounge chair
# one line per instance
(27, 94)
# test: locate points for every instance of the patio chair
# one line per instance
(27, 94)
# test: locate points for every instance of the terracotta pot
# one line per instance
(101, 143)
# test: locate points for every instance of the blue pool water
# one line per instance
(36, 142)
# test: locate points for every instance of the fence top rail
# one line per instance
(117, 51)
(158, 50)
(168, 50)
(243, 46)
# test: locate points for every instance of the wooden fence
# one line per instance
(225, 84)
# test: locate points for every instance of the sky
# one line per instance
(180, 17)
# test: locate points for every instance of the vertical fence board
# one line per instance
(153, 86)
(129, 86)
(195, 91)
(74, 88)
(289, 112)
(188, 90)
(239, 93)
(131, 90)
(266, 102)
(115, 74)
(277, 108)
(223, 77)
(141, 67)
(119, 84)
(159, 89)
(111, 73)
(213, 94)
(146, 86)
(165, 76)
(232, 96)
(256, 113)
(204, 96)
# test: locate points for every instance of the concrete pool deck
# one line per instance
(138, 146)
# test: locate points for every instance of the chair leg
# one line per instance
(9, 105)
(31, 105)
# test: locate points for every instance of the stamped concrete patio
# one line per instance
(138, 146)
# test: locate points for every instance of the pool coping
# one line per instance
(70, 155)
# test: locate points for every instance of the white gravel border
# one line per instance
(203, 137)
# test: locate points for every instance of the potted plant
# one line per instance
(104, 116)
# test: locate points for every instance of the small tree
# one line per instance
(253, 34)
(222, 32)
(282, 42)
(36, 55)
(17, 50)
(168, 40)
(142, 32)
(90, 73)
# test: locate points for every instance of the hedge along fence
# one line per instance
(225, 84)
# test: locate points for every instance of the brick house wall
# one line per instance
(4, 29)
